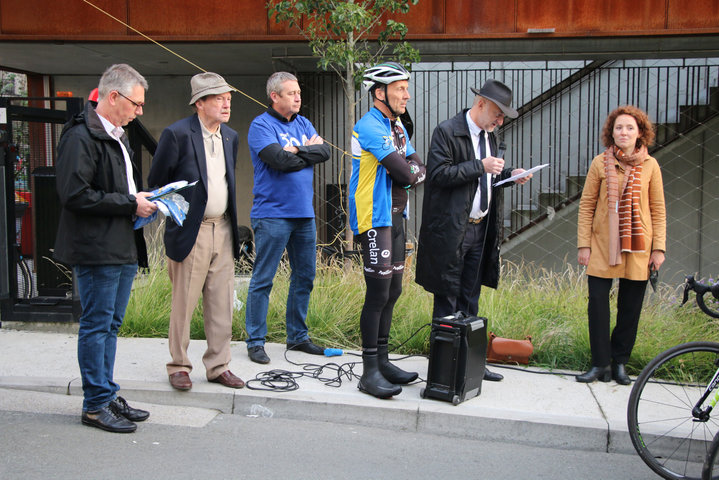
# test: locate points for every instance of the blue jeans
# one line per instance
(272, 236)
(104, 293)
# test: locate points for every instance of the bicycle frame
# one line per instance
(702, 415)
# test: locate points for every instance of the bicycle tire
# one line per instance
(711, 469)
(24, 280)
(659, 414)
(32, 290)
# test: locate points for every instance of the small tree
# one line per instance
(12, 84)
(349, 36)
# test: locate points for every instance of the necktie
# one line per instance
(483, 179)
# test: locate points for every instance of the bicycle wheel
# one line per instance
(663, 430)
(711, 464)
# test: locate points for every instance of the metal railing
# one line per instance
(564, 129)
(562, 108)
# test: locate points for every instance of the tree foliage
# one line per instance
(12, 84)
(348, 35)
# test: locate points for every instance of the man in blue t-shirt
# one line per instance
(284, 147)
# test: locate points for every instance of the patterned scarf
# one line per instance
(625, 226)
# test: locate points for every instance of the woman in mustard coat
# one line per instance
(621, 234)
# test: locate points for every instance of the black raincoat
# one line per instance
(453, 173)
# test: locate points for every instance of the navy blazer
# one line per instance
(180, 155)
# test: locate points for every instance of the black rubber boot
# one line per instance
(372, 381)
(392, 373)
(619, 374)
(603, 374)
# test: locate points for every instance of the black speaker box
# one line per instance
(457, 358)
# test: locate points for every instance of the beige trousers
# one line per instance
(207, 270)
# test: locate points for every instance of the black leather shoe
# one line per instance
(603, 374)
(492, 377)
(120, 406)
(106, 419)
(257, 354)
(307, 347)
(619, 374)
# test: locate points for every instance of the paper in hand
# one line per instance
(171, 188)
(169, 203)
(526, 173)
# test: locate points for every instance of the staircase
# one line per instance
(560, 185)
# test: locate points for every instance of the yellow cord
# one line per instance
(203, 70)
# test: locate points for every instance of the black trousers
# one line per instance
(619, 346)
(471, 283)
(383, 258)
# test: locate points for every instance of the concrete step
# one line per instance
(550, 199)
(666, 132)
(714, 98)
(524, 215)
(575, 184)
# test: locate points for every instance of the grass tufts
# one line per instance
(549, 306)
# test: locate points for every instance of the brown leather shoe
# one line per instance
(181, 381)
(228, 379)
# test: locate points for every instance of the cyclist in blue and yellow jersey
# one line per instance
(384, 167)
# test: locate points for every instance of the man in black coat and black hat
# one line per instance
(458, 248)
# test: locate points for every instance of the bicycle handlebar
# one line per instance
(700, 289)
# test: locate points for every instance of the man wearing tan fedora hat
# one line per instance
(458, 248)
(201, 252)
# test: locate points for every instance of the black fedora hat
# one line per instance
(500, 94)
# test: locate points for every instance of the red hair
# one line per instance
(646, 128)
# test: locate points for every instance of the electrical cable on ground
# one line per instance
(286, 381)
(331, 374)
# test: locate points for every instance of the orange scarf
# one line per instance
(625, 226)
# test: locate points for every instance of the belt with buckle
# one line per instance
(475, 221)
(215, 219)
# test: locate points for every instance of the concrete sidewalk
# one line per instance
(530, 406)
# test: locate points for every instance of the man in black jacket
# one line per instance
(458, 249)
(98, 190)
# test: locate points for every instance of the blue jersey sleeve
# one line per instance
(373, 137)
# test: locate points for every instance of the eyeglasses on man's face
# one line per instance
(136, 104)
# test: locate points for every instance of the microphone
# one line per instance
(333, 352)
(501, 149)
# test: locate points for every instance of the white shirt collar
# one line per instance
(473, 127)
(116, 133)
(110, 128)
(206, 133)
